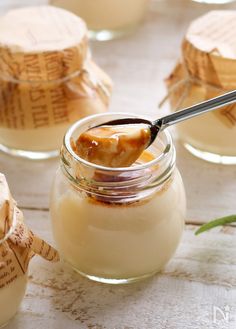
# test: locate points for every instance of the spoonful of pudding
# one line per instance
(119, 143)
(113, 145)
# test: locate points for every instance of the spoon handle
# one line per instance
(194, 110)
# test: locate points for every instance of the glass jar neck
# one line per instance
(117, 184)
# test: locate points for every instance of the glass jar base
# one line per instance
(32, 155)
(211, 157)
(106, 35)
(114, 281)
(214, 2)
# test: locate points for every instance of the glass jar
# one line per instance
(117, 225)
(207, 69)
(210, 136)
(107, 19)
(47, 80)
(11, 294)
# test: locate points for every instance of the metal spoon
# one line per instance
(187, 113)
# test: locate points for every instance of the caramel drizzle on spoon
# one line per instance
(113, 146)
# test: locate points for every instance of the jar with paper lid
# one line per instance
(207, 69)
(47, 79)
(18, 245)
(117, 224)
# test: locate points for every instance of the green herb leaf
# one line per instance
(216, 222)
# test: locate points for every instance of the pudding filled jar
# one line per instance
(12, 290)
(18, 244)
(48, 80)
(117, 225)
(207, 69)
(210, 136)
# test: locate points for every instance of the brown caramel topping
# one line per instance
(105, 203)
(113, 146)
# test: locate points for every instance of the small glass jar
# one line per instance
(12, 294)
(18, 244)
(117, 225)
(48, 80)
(208, 136)
(207, 69)
(107, 19)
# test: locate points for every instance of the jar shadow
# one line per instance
(88, 302)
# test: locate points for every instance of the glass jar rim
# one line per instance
(136, 167)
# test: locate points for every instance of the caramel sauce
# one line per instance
(113, 146)
(99, 202)
(145, 157)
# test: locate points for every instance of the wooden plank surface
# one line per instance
(201, 279)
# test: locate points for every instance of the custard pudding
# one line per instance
(122, 241)
(207, 133)
(113, 146)
(11, 297)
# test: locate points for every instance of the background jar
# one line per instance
(117, 225)
(48, 83)
(211, 136)
(107, 19)
(207, 69)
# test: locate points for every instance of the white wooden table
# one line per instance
(198, 287)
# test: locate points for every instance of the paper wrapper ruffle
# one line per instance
(18, 244)
(32, 105)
